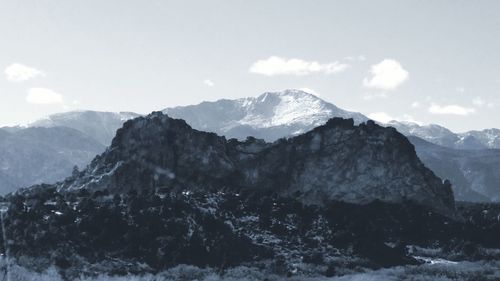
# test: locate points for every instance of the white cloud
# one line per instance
(208, 82)
(386, 75)
(415, 104)
(17, 72)
(43, 96)
(371, 96)
(310, 91)
(451, 109)
(282, 66)
(381, 117)
(478, 101)
(460, 89)
(386, 118)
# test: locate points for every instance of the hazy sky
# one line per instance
(429, 61)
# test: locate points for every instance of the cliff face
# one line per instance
(337, 161)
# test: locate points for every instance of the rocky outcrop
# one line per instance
(464, 159)
(338, 197)
(336, 161)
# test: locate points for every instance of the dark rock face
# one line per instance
(340, 196)
(289, 113)
(337, 161)
(463, 159)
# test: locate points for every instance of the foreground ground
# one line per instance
(462, 271)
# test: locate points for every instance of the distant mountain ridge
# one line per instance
(335, 161)
(37, 155)
(474, 173)
(239, 118)
(46, 150)
(336, 198)
(489, 138)
(101, 126)
(274, 115)
(269, 116)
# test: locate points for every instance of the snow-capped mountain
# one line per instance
(100, 126)
(336, 198)
(432, 133)
(158, 151)
(291, 112)
(288, 113)
(274, 115)
(489, 138)
(269, 116)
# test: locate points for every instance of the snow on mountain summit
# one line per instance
(269, 116)
(282, 108)
(101, 126)
(489, 138)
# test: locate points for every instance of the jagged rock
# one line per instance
(336, 161)
(164, 194)
(270, 116)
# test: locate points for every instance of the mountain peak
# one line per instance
(296, 93)
(376, 163)
(437, 134)
(101, 125)
(270, 116)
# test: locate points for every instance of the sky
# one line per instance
(423, 61)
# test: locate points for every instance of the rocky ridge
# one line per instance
(164, 194)
(270, 116)
(336, 161)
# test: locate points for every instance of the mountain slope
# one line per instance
(100, 126)
(6, 184)
(269, 116)
(282, 114)
(489, 138)
(432, 133)
(290, 112)
(164, 194)
(42, 155)
(474, 173)
(231, 118)
(337, 161)
(47, 149)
